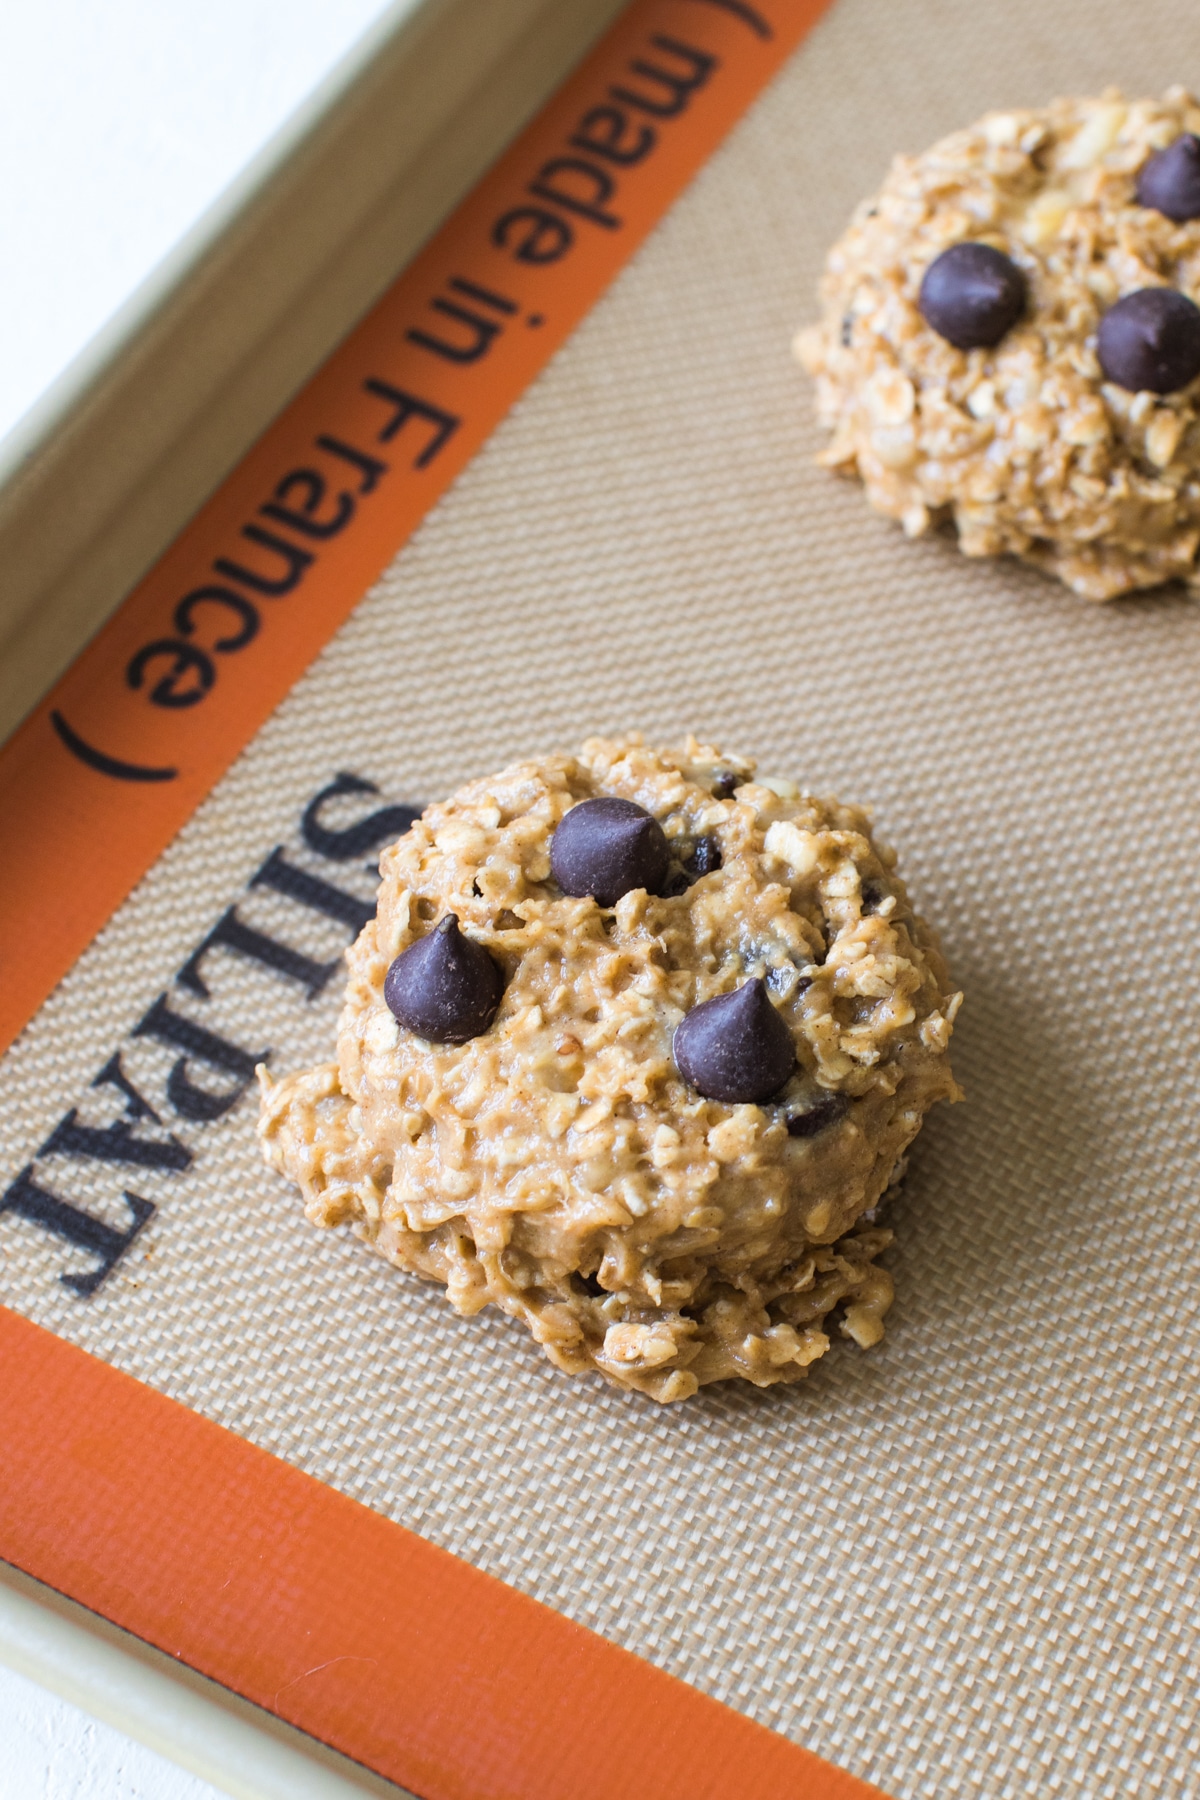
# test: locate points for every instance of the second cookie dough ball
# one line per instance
(962, 359)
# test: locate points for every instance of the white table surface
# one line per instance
(53, 1751)
(120, 124)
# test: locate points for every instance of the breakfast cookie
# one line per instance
(1010, 341)
(632, 1049)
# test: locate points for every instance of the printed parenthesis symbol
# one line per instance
(749, 15)
(106, 765)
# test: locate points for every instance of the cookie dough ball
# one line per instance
(555, 1162)
(1006, 407)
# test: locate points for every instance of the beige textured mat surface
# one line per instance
(962, 1564)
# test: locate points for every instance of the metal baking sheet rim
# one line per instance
(116, 1678)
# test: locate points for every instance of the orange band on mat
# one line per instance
(103, 774)
(281, 1588)
(348, 1626)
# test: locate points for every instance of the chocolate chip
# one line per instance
(1170, 181)
(608, 847)
(444, 987)
(972, 295)
(705, 857)
(1149, 342)
(726, 783)
(871, 896)
(736, 1047)
(823, 1112)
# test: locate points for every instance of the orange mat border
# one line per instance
(115, 760)
(339, 1621)
(282, 1589)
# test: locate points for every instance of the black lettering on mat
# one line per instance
(204, 1073)
(307, 507)
(27, 1200)
(749, 15)
(576, 189)
(610, 138)
(475, 326)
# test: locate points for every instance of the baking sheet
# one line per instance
(960, 1564)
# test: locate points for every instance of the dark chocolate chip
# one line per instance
(971, 295)
(705, 857)
(736, 1047)
(1150, 341)
(444, 987)
(608, 847)
(823, 1112)
(726, 783)
(871, 896)
(1170, 181)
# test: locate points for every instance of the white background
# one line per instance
(52, 1751)
(120, 123)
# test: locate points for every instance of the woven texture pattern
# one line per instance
(962, 1564)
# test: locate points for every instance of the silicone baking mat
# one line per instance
(962, 1564)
